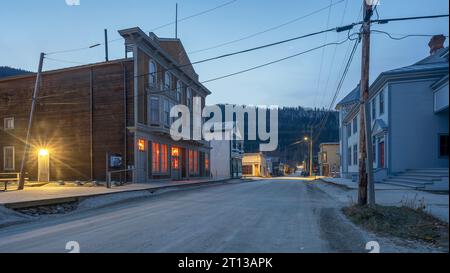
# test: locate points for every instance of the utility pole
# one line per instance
(176, 21)
(364, 95)
(30, 123)
(106, 45)
(311, 152)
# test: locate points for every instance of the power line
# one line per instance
(266, 30)
(276, 61)
(321, 61)
(388, 20)
(403, 36)
(195, 15)
(228, 75)
(338, 89)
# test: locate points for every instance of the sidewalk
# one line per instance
(53, 194)
(389, 195)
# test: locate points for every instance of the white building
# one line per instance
(226, 154)
(409, 122)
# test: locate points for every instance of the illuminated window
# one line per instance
(141, 145)
(196, 162)
(156, 158)
(8, 158)
(164, 158)
(206, 162)
(175, 158)
(191, 161)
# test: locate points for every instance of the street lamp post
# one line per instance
(310, 154)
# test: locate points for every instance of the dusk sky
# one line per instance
(29, 27)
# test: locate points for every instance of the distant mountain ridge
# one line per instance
(6, 71)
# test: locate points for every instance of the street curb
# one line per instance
(56, 201)
(336, 184)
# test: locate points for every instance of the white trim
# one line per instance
(13, 158)
(5, 122)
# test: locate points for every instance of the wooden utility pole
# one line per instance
(30, 123)
(311, 153)
(364, 95)
(176, 21)
(106, 45)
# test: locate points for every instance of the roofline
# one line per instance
(61, 70)
(126, 33)
(396, 76)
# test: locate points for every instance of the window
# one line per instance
(8, 123)
(166, 112)
(8, 158)
(196, 162)
(247, 170)
(154, 109)
(443, 145)
(355, 155)
(349, 156)
(191, 161)
(349, 130)
(156, 158)
(153, 76)
(168, 81)
(189, 98)
(355, 125)
(382, 102)
(164, 158)
(324, 157)
(207, 162)
(374, 110)
(374, 149)
(141, 145)
(179, 91)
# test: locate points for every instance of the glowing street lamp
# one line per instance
(43, 152)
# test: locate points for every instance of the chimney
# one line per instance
(436, 43)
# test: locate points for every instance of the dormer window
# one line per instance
(168, 81)
(152, 76)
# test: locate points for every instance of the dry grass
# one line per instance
(402, 222)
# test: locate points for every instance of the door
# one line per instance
(175, 163)
(382, 159)
(43, 166)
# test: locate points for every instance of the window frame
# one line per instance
(168, 77)
(5, 168)
(6, 122)
(381, 103)
(153, 110)
(153, 75)
(440, 146)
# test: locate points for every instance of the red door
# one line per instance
(382, 154)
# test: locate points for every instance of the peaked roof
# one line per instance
(351, 98)
(435, 61)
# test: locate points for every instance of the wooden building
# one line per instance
(119, 108)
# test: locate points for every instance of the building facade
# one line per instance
(227, 151)
(329, 161)
(254, 165)
(408, 117)
(119, 108)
